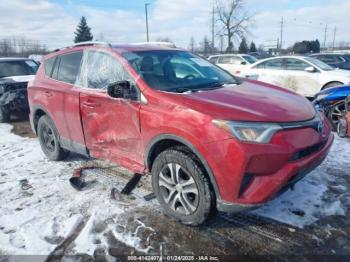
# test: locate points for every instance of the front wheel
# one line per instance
(49, 139)
(181, 187)
(335, 113)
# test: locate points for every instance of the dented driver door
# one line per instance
(111, 125)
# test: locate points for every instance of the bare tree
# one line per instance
(20, 46)
(233, 19)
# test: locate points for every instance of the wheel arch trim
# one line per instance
(159, 138)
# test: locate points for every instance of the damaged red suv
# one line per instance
(209, 140)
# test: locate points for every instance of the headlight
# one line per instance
(249, 131)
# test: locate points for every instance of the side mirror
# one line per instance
(310, 69)
(243, 63)
(121, 89)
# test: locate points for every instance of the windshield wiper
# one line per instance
(179, 89)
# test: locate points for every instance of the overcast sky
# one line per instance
(52, 22)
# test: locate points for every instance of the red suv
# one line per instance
(210, 141)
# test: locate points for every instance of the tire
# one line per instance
(49, 139)
(175, 171)
(4, 114)
(332, 84)
(335, 113)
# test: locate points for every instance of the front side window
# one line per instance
(177, 71)
(17, 68)
(296, 64)
(99, 70)
(271, 64)
(68, 67)
(319, 64)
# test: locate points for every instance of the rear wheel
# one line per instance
(4, 114)
(181, 187)
(49, 139)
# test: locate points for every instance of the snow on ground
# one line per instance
(308, 202)
(39, 209)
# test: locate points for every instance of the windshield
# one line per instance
(17, 68)
(319, 64)
(250, 59)
(177, 71)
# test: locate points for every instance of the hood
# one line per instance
(9, 79)
(251, 101)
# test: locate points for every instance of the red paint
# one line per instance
(120, 130)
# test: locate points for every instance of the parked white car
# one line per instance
(303, 75)
(233, 63)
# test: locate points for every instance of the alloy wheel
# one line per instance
(178, 189)
(337, 112)
(48, 137)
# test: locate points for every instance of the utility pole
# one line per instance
(221, 43)
(335, 31)
(213, 29)
(146, 11)
(325, 36)
(281, 37)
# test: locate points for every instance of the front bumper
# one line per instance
(271, 168)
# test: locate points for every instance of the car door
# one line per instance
(270, 71)
(61, 99)
(299, 80)
(111, 125)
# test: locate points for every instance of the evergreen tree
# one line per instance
(83, 31)
(252, 47)
(243, 47)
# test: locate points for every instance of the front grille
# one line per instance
(307, 151)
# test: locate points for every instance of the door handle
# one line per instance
(90, 104)
(48, 93)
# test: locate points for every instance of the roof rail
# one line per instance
(165, 44)
(86, 43)
(92, 43)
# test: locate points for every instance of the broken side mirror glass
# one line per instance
(122, 89)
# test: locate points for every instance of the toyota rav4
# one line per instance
(210, 141)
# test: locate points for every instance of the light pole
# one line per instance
(146, 10)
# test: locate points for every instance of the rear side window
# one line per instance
(49, 65)
(69, 67)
